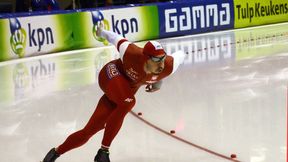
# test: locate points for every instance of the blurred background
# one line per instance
(12, 6)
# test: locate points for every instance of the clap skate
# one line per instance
(51, 156)
(102, 156)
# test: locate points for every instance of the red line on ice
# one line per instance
(182, 140)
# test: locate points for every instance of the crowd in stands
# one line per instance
(44, 5)
(103, 3)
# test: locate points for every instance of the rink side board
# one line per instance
(195, 17)
(259, 12)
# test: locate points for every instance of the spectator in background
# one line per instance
(94, 3)
(87, 3)
(125, 2)
(153, 1)
(44, 5)
(22, 5)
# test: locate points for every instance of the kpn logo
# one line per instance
(18, 37)
(97, 19)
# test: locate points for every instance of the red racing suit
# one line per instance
(119, 79)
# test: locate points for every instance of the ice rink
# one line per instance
(229, 97)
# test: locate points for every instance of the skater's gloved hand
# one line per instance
(150, 88)
(153, 87)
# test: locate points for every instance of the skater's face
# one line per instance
(155, 65)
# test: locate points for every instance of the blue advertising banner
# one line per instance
(186, 18)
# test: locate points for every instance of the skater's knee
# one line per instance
(88, 133)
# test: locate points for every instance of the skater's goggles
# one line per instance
(158, 59)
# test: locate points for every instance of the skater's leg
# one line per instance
(97, 121)
(115, 122)
(120, 92)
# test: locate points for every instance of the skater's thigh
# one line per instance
(114, 84)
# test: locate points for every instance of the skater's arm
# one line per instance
(118, 41)
(111, 37)
(178, 59)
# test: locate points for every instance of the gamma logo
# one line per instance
(18, 37)
(97, 19)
